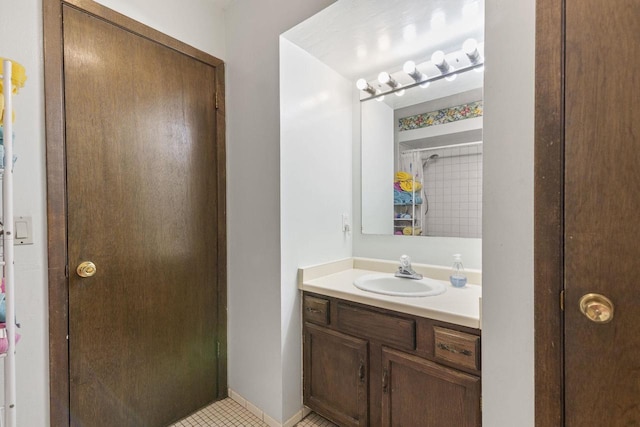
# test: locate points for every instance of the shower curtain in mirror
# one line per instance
(411, 162)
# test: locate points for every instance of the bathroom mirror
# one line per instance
(422, 163)
(369, 43)
(421, 140)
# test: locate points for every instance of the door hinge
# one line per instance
(218, 349)
(562, 300)
(216, 100)
(66, 271)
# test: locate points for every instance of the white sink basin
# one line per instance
(388, 284)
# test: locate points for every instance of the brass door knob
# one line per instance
(597, 308)
(86, 269)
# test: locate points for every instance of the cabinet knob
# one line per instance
(385, 380)
(361, 371)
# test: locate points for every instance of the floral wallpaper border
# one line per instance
(439, 117)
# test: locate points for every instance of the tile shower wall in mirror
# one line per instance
(451, 177)
(436, 165)
(453, 191)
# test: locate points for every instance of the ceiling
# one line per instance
(359, 39)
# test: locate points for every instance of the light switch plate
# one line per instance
(346, 226)
(23, 230)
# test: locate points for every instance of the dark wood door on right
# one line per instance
(602, 212)
(420, 393)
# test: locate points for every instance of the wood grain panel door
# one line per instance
(141, 192)
(602, 211)
(420, 393)
(336, 375)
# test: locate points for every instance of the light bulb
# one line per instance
(409, 67)
(384, 77)
(437, 58)
(425, 85)
(470, 46)
(400, 92)
(380, 98)
(362, 84)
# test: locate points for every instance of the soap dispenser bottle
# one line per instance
(458, 278)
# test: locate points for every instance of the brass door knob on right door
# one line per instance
(86, 269)
(597, 308)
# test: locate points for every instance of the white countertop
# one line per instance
(460, 306)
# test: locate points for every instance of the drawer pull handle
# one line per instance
(361, 371)
(385, 381)
(454, 350)
(313, 310)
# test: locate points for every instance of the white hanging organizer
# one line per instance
(13, 78)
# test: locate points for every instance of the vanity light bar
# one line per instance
(385, 79)
(470, 48)
(365, 87)
(412, 71)
(438, 59)
(425, 83)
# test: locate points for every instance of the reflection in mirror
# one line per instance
(417, 65)
(421, 136)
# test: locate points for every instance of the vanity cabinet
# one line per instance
(366, 366)
(419, 392)
(336, 376)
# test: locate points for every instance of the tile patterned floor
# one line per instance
(315, 420)
(229, 413)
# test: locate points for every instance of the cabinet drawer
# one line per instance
(316, 310)
(457, 347)
(385, 328)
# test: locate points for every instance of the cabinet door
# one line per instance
(420, 393)
(336, 372)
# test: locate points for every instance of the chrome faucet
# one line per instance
(405, 271)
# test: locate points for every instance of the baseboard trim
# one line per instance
(297, 417)
(291, 422)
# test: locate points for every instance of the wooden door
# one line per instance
(420, 393)
(141, 183)
(602, 211)
(336, 372)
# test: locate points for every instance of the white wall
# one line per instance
(199, 23)
(507, 336)
(315, 188)
(377, 167)
(21, 35)
(253, 213)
